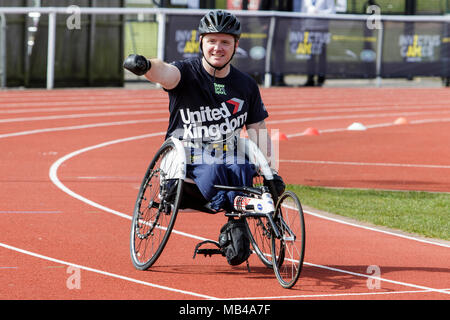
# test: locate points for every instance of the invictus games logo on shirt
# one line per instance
(219, 88)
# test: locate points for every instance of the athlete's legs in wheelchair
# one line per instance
(208, 170)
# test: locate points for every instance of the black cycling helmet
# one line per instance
(220, 21)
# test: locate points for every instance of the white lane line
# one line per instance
(53, 173)
(109, 274)
(30, 211)
(78, 115)
(312, 110)
(379, 278)
(332, 295)
(90, 108)
(54, 178)
(127, 139)
(111, 105)
(379, 164)
(376, 229)
(358, 116)
(85, 126)
(93, 103)
(373, 126)
(124, 113)
(57, 182)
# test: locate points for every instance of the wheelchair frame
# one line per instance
(160, 198)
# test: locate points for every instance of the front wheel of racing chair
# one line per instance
(157, 205)
(258, 228)
(289, 249)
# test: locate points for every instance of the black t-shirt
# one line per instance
(206, 108)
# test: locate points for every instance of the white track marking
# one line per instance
(53, 174)
(109, 274)
(54, 178)
(373, 126)
(421, 288)
(376, 229)
(379, 278)
(84, 126)
(53, 171)
(358, 116)
(29, 212)
(375, 164)
(77, 115)
(332, 295)
(90, 108)
(143, 104)
(94, 103)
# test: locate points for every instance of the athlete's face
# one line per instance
(218, 48)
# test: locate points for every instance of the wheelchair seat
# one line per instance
(174, 164)
(193, 199)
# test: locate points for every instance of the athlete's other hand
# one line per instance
(137, 64)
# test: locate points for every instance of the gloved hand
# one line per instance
(137, 64)
(277, 182)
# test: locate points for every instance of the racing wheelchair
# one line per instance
(276, 231)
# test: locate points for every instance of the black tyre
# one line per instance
(156, 208)
(289, 250)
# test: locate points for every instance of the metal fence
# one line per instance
(2, 50)
(351, 46)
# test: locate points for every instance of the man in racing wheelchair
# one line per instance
(209, 102)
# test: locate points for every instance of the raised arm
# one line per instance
(155, 70)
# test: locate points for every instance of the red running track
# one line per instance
(72, 161)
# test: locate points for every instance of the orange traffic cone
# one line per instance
(401, 120)
(279, 136)
(311, 132)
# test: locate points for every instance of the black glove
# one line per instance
(137, 64)
(279, 184)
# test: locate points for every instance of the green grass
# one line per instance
(423, 213)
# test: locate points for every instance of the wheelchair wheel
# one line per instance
(156, 208)
(289, 251)
(259, 230)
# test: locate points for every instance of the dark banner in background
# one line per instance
(318, 46)
(337, 48)
(415, 49)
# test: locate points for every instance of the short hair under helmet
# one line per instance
(220, 21)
